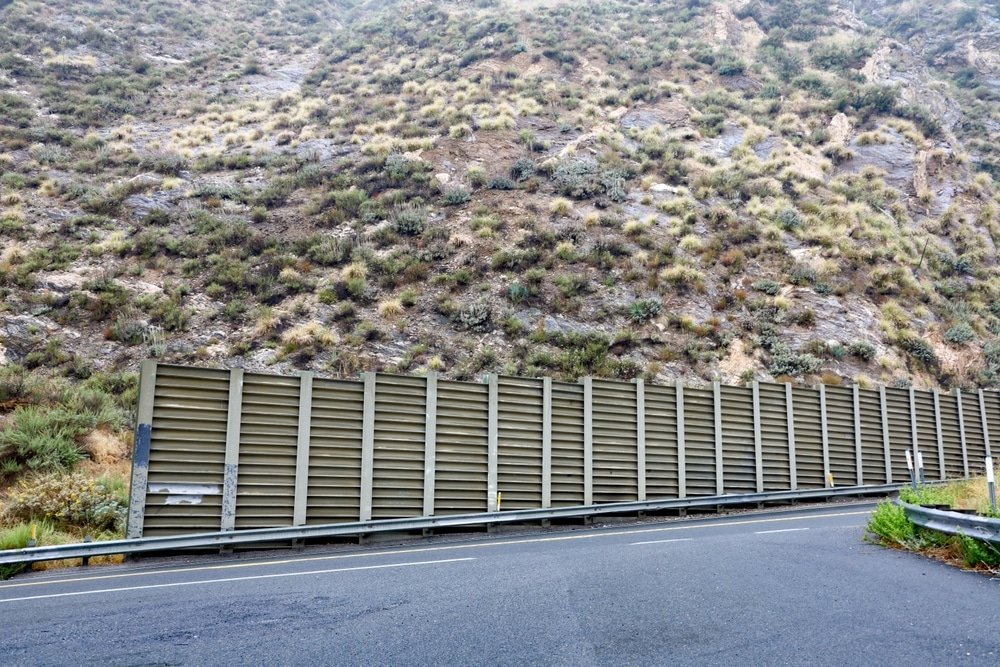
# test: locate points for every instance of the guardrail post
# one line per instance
(940, 435)
(546, 442)
(640, 437)
(588, 440)
(231, 470)
(885, 434)
(827, 476)
(790, 415)
(430, 442)
(717, 409)
(140, 459)
(913, 435)
(492, 443)
(986, 428)
(758, 446)
(961, 432)
(302, 449)
(367, 447)
(681, 462)
(858, 457)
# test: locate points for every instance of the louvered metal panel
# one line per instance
(265, 491)
(808, 438)
(738, 458)
(519, 460)
(699, 441)
(975, 443)
(567, 444)
(187, 451)
(191, 408)
(461, 468)
(398, 477)
(335, 452)
(897, 403)
(840, 435)
(661, 442)
(872, 447)
(774, 437)
(951, 433)
(615, 452)
(923, 401)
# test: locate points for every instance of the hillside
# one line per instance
(698, 190)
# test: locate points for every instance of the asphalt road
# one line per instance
(787, 589)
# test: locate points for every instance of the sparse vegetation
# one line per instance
(890, 526)
(369, 188)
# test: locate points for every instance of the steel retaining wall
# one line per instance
(227, 450)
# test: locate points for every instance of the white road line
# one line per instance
(229, 579)
(678, 539)
(783, 530)
(450, 547)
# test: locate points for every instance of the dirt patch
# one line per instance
(738, 362)
(840, 129)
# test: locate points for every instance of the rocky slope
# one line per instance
(704, 190)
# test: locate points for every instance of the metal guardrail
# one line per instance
(264, 535)
(953, 523)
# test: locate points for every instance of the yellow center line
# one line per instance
(449, 547)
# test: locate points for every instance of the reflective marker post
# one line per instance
(920, 468)
(909, 466)
(991, 484)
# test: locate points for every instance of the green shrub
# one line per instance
(522, 169)
(518, 292)
(767, 287)
(501, 183)
(959, 334)
(643, 310)
(889, 525)
(456, 197)
(927, 495)
(410, 221)
(19, 537)
(976, 552)
(918, 348)
(70, 501)
(862, 350)
(786, 362)
(475, 316)
(41, 438)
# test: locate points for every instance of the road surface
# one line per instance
(794, 588)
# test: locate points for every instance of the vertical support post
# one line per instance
(858, 457)
(546, 442)
(681, 462)
(790, 413)
(940, 435)
(827, 476)
(231, 470)
(758, 445)
(143, 441)
(588, 441)
(302, 449)
(492, 444)
(720, 486)
(913, 435)
(640, 437)
(367, 447)
(986, 428)
(961, 433)
(887, 452)
(430, 442)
